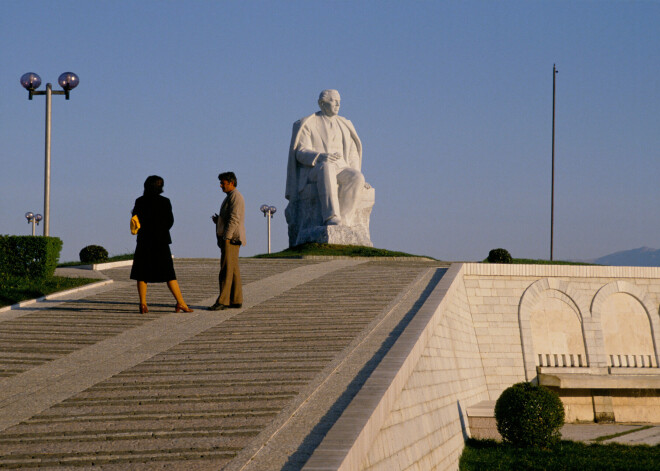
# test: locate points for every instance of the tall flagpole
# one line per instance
(552, 190)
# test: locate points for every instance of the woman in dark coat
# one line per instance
(152, 262)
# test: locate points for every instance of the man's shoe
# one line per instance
(235, 306)
(217, 307)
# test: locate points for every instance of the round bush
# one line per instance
(528, 415)
(499, 256)
(93, 254)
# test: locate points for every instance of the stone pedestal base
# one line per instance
(305, 222)
(343, 235)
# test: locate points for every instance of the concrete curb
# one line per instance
(104, 266)
(59, 294)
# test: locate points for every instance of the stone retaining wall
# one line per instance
(484, 331)
(601, 314)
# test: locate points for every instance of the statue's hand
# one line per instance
(329, 157)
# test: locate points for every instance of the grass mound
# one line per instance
(334, 250)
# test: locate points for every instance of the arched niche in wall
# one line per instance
(628, 326)
(550, 319)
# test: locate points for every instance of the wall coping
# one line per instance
(580, 271)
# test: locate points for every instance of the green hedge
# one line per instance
(93, 254)
(33, 257)
(499, 256)
(529, 415)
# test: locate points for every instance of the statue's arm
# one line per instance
(354, 157)
(305, 153)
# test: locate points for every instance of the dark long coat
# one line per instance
(152, 262)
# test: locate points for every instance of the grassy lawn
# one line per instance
(335, 250)
(13, 291)
(17, 290)
(480, 455)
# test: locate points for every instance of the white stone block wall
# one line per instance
(501, 298)
(427, 426)
(470, 346)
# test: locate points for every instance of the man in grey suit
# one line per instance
(230, 233)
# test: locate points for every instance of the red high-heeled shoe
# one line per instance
(144, 309)
(179, 308)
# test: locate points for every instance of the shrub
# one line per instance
(499, 256)
(93, 254)
(33, 257)
(528, 415)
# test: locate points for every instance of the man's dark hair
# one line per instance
(228, 176)
(153, 185)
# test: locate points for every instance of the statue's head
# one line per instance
(329, 101)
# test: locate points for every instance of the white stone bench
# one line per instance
(622, 379)
(628, 380)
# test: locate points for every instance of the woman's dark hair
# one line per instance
(153, 185)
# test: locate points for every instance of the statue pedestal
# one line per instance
(305, 221)
(343, 235)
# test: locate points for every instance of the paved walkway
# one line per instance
(87, 382)
(626, 434)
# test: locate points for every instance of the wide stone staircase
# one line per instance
(86, 382)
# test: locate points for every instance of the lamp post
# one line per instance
(552, 184)
(268, 214)
(31, 81)
(32, 218)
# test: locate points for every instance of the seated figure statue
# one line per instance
(329, 200)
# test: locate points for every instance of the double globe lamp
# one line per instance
(268, 214)
(31, 81)
(33, 218)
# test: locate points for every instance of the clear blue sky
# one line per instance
(452, 101)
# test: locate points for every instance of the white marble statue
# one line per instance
(329, 200)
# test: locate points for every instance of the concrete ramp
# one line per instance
(87, 382)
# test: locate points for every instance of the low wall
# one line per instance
(488, 326)
(584, 323)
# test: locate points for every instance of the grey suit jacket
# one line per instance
(231, 220)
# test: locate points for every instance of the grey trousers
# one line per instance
(231, 291)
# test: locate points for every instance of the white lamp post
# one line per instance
(33, 218)
(268, 214)
(31, 81)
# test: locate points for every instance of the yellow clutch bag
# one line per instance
(135, 225)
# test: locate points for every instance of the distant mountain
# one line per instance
(641, 257)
